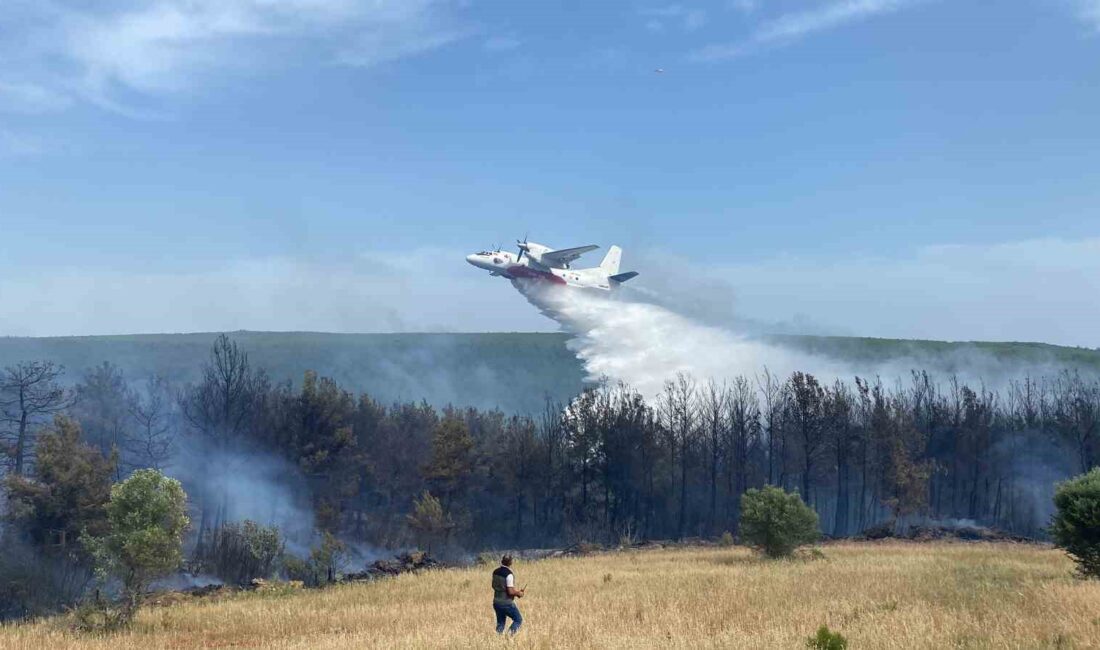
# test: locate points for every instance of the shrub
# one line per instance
(298, 570)
(826, 640)
(1076, 523)
(327, 558)
(726, 539)
(99, 615)
(628, 536)
(34, 582)
(146, 516)
(587, 548)
(429, 520)
(488, 558)
(240, 552)
(323, 565)
(776, 522)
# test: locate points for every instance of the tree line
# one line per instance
(608, 465)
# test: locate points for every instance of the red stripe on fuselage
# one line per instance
(521, 271)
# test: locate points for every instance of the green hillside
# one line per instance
(512, 371)
(948, 356)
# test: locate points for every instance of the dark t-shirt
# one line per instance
(502, 579)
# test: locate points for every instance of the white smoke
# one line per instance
(252, 484)
(645, 345)
(627, 336)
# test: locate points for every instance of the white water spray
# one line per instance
(645, 345)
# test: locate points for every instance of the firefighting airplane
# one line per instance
(538, 262)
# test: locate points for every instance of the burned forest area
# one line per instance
(330, 482)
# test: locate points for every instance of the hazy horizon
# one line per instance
(817, 166)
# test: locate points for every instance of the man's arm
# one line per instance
(510, 588)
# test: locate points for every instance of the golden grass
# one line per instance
(889, 595)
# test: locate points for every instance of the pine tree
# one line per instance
(452, 460)
(68, 492)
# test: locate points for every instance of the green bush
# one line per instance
(240, 552)
(726, 539)
(147, 515)
(297, 569)
(826, 640)
(327, 558)
(98, 616)
(776, 522)
(1076, 523)
(323, 565)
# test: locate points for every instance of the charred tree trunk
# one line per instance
(683, 495)
(21, 444)
(714, 485)
(840, 522)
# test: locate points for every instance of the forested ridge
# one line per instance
(469, 369)
(315, 458)
(514, 372)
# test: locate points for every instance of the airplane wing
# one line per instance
(566, 255)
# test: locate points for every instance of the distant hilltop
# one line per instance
(515, 372)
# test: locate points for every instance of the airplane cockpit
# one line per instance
(494, 261)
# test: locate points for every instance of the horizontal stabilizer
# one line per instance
(623, 277)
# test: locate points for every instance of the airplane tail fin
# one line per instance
(610, 263)
(623, 277)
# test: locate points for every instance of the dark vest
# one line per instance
(500, 585)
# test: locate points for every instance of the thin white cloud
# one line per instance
(1035, 290)
(745, 6)
(694, 20)
(797, 25)
(401, 28)
(30, 98)
(20, 145)
(793, 26)
(687, 18)
(382, 46)
(105, 51)
(1089, 12)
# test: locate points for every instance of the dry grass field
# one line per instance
(888, 595)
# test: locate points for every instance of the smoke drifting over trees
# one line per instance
(609, 462)
(321, 462)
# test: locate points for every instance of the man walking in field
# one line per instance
(504, 596)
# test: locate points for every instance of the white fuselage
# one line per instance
(506, 265)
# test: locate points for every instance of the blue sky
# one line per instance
(913, 168)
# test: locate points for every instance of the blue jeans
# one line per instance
(505, 612)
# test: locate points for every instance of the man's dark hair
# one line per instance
(506, 560)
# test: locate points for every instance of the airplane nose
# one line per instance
(472, 259)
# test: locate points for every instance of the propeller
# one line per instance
(522, 247)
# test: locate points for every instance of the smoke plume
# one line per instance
(644, 344)
(636, 337)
